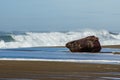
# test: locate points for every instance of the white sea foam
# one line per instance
(65, 60)
(38, 39)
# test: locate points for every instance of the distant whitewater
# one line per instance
(44, 39)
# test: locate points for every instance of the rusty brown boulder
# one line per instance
(87, 44)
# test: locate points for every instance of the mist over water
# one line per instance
(43, 39)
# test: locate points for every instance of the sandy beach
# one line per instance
(56, 70)
(59, 40)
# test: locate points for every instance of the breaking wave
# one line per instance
(43, 39)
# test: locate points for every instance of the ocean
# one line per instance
(49, 46)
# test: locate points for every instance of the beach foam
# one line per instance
(65, 60)
(40, 39)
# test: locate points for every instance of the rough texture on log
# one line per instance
(87, 44)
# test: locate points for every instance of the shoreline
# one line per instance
(49, 70)
(114, 62)
(103, 46)
(111, 46)
(52, 70)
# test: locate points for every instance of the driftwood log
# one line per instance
(87, 44)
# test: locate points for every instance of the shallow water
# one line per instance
(60, 54)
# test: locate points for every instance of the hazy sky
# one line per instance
(59, 15)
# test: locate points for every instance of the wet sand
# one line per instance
(111, 46)
(39, 70)
(48, 70)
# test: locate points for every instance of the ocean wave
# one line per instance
(40, 39)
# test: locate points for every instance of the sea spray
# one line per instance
(43, 39)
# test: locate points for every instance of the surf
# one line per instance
(47, 39)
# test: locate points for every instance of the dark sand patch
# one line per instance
(49, 70)
(111, 46)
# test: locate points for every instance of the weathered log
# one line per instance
(87, 44)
